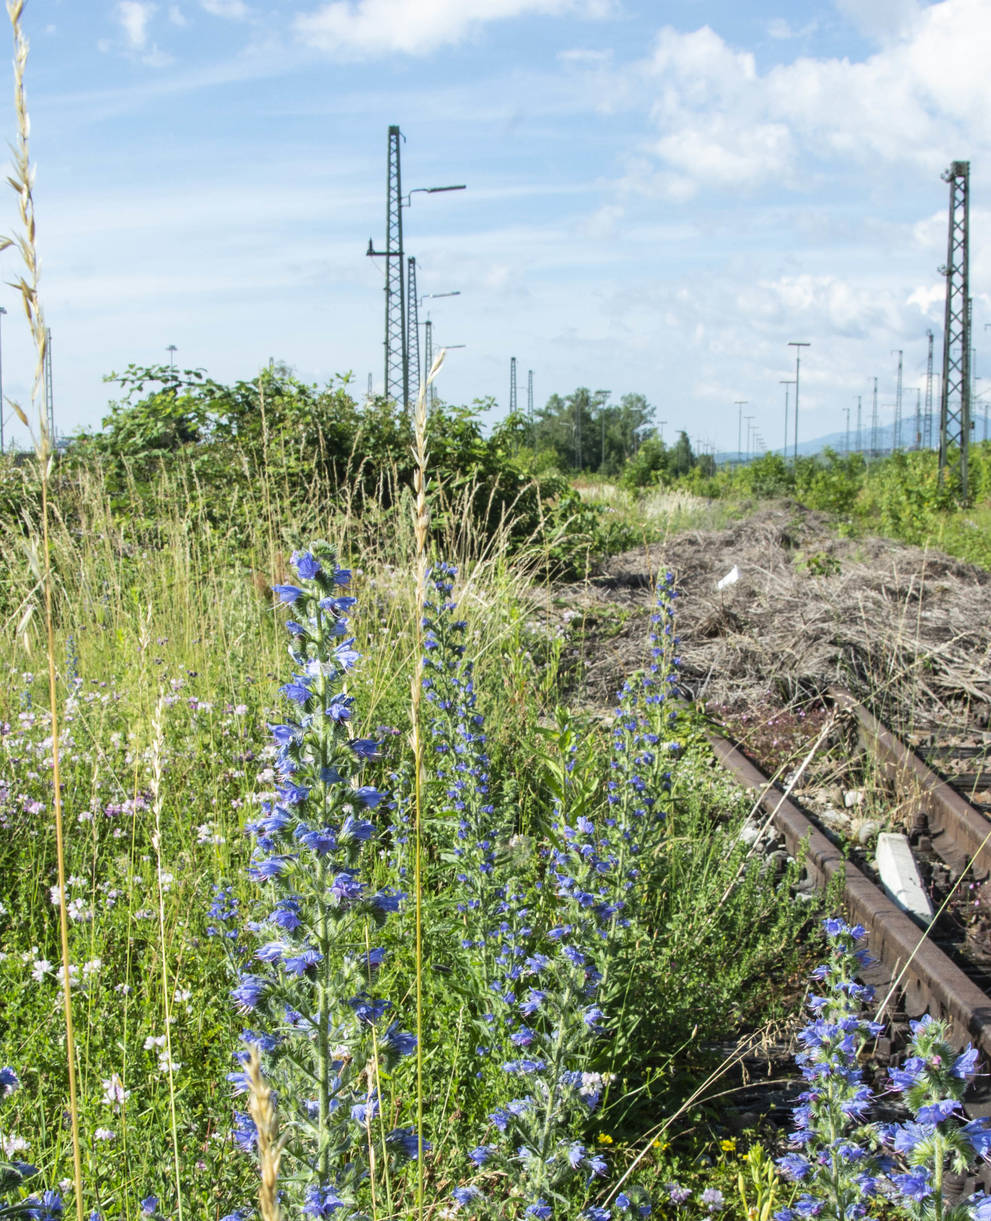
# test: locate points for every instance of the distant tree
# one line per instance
(682, 458)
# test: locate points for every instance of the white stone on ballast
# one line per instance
(900, 875)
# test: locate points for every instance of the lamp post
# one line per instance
(797, 344)
(399, 324)
(749, 419)
(172, 349)
(786, 383)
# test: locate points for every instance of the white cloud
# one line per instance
(721, 121)
(134, 16)
(176, 16)
(370, 28)
(234, 10)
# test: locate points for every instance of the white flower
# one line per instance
(91, 968)
(12, 1144)
(40, 968)
(55, 894)
(104, 1134)
(168, 1065)
(154, 1041)
(114, 1094)
(79, 910)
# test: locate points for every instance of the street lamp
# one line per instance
(797, 344)
(749, 419)
(786, 384)
(172, 349)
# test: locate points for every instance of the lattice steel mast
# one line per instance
(413, 375)
(874, 437)
(897, 435)
(49, 392)
(396, 383)
(512, 385)
(954, 405)
(927, 424)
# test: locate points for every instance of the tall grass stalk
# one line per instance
(421, 524)
(27, 284)
(158, 746)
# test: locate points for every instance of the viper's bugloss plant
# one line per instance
(937, 1139)
(833, 1157)
(308, 984)
(14, 1173)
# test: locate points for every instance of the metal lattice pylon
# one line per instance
(396, 355)
(49, 392)
(512, 385)
(927, 419)
(954, 405)
(414, 374)
(897, 434)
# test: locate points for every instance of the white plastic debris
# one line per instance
(853, 797)
(900, 875)
(730, 578)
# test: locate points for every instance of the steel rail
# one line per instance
(928, 979)
(959, 832)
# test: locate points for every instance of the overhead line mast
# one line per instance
(954, 408)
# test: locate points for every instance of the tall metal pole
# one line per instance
(797, 344)
(860, 430)
(2, 400)
(512, 385)
(927, 426)
(748, 418)
(784, 449)
(954, 409)
(49, 392)
(172, 349)
(412, 331)
(897, 434)
(428, 355)
(529, 395)
(846, 435)
(739, 404)
(918, 417)
(874, 438)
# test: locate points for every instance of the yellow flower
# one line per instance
(728, 1146)
(604, 1138)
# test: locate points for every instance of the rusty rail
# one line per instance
(959, 832)
(929, 982)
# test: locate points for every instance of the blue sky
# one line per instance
(660, 195)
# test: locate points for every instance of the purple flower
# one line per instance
(365, 748)
(287, 594)
(481, 1154)
(321, 1202)
(407, 1141)
(248, 993)
(914, 1185)
(937, 1111)
(541, 1210)
(306, 565)
(8, 1082)
(965, 1065)
(978, 1133)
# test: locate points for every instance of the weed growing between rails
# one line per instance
(847, 1166)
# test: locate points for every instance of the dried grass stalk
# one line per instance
(261, 1107)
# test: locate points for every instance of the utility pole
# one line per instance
(748, 418)
(897, 434)
(172, 349)
(927, 426)
(874, 440)
(846, 435)
(739, 404)
(797, 344)
(860, 431)
(660, 428)
(529, 396)
(954, 407)
(413, 372)
(786, 384)
(512, 385)
(49, 392)
(918, 417)
(368, 392)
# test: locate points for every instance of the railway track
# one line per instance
(917, 973)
